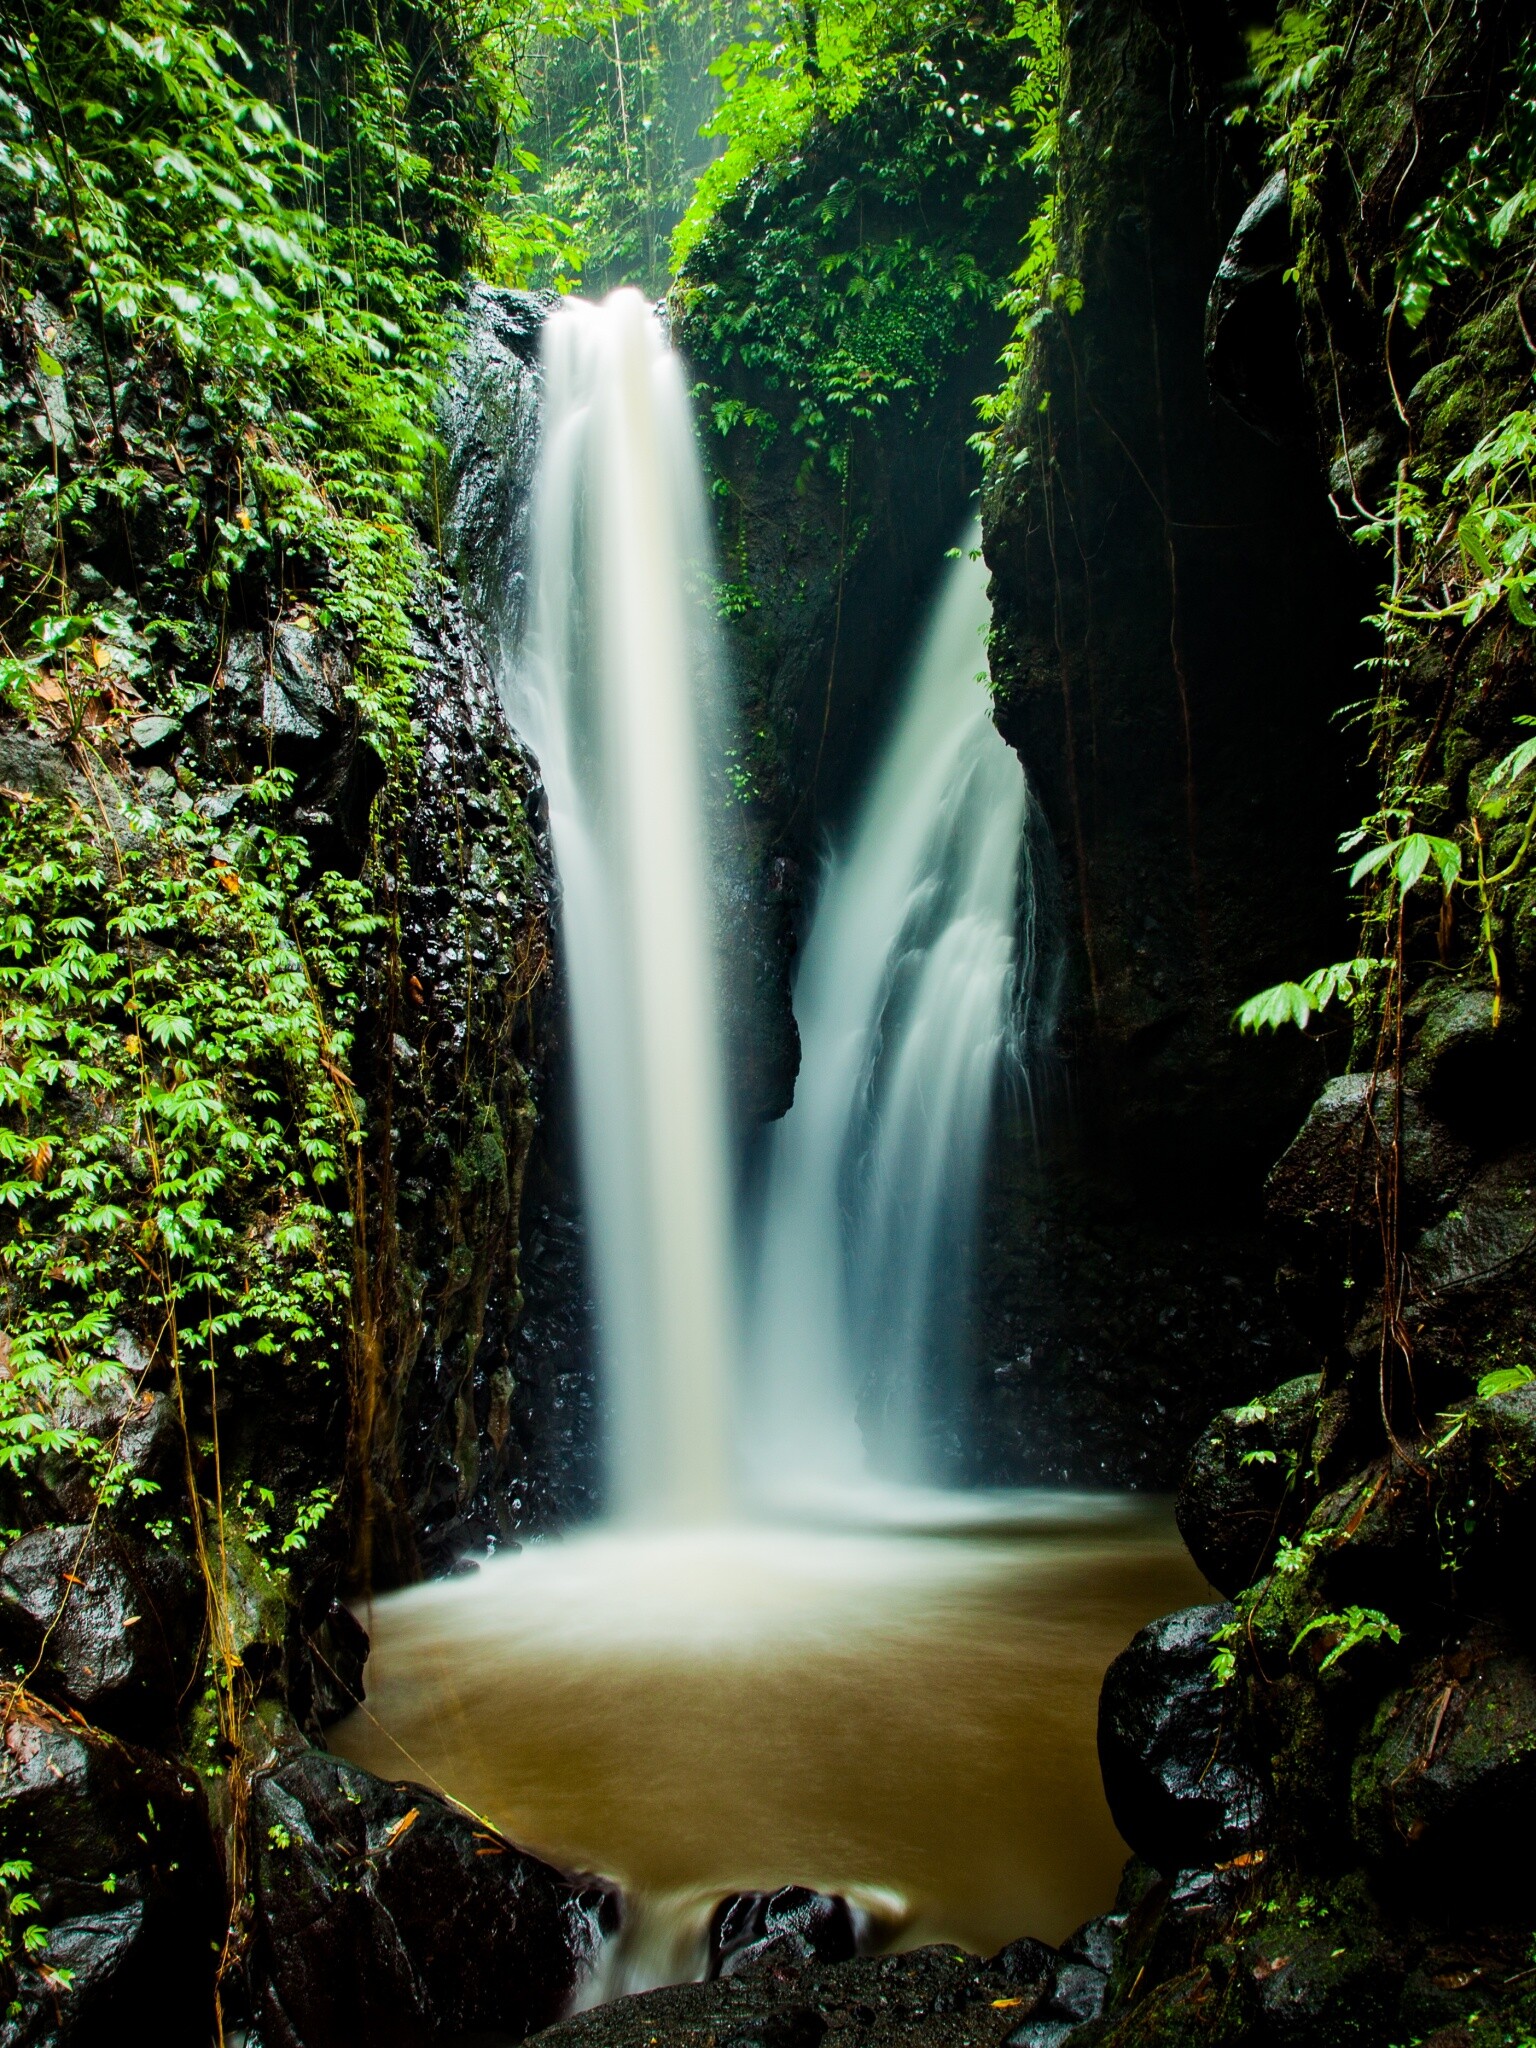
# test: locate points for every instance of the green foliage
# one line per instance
(1294, 1002)
(19, 1922)
(616, 95)
(1352, 1627)
(838, 284)
(1486, 198)
(1460, 530)
(176, 1023)
(1504, 1380)
(291, 272)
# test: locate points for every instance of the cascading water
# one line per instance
(611, 691)
(910, 995)
(907, 997)
(699, 1705)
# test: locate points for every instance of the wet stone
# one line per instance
(127, 1889)
(107, 1624)
(795, 1924)
(1240, 1474)
(1178, 1790)
(385, 1916)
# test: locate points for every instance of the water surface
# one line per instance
(901, 1715)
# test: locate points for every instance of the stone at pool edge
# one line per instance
(935, 1997)
(1178, 1790)
(385, 1918)
(126, 1884)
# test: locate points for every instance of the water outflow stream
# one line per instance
(911, 997)
(613, 691)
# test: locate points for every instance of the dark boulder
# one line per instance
(933, 1997)
(1325, 1179)
(384, 1915)
(1076, 1996)
(138, 1426)
(1253, 319)
(129, 1903)
(1243, 1470)
(1317, 1970)
(284, 696)
(795, 1924)
(1443, 1792)
(1178, 1789)
(110, 1625)
(1028, 1964)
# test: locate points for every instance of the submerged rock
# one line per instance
(130, 1906)
(1179, 1792)
(385, 1916)
(792, 1924)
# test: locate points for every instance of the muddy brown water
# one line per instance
(903, 1716)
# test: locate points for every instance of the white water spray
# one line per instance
(908, 995)
(608, 692)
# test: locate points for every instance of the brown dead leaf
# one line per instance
(402, 1826)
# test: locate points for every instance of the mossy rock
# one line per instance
(1443, 1789)
(1318, 1969)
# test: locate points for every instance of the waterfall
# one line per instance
(910, 991)
(908, 996)
(612, 690)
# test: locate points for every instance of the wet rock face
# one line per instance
(925, 1998)
(491, 417)
(138, 1423)
(384, 1915)
(110, 1625)
(792, 1924)
(127, 1889)
(1252, 351)
(491, 1339)
(1246, 1466)
(1443, 1793)
(1178, 1789)
(1128, 1288)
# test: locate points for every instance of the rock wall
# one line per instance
(1323, 1777)
(170, 1593)
(1176, 624)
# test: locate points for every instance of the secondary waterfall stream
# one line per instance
(714, 1690)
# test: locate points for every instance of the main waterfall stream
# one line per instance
(785, 1656)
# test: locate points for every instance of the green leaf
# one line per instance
(1504, 1380)
(1286, 1003)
